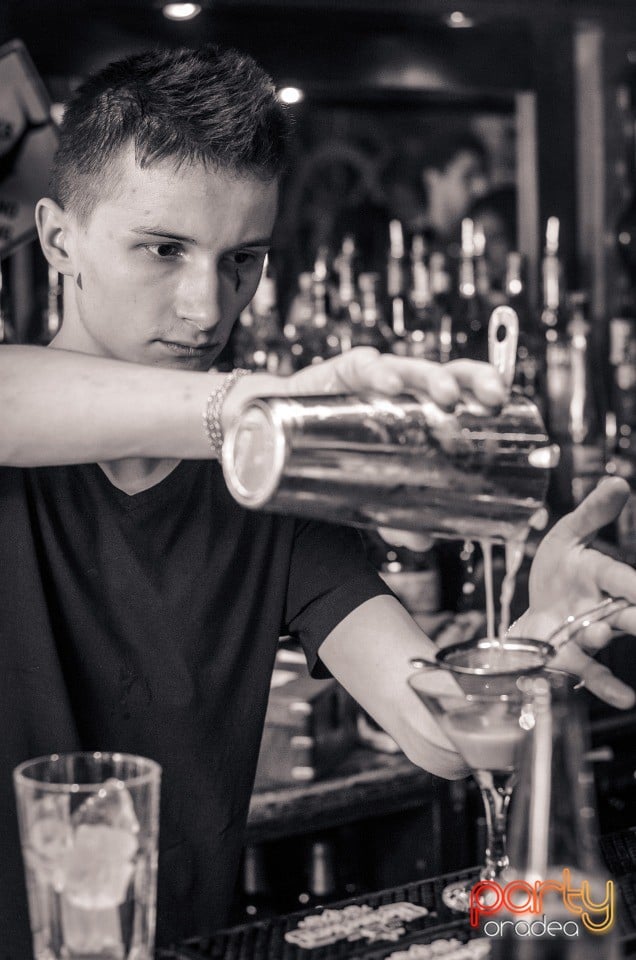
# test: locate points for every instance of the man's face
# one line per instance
(459, 184)
(166, 263)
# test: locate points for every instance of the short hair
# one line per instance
(440, 151)
(206, 105)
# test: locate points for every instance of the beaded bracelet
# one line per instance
(213, 407)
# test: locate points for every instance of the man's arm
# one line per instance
(369, 653)
(63, 407)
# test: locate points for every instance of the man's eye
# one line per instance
(165, 251)
(243, 258)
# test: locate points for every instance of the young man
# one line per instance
(141, 606)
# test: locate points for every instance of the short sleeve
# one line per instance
(329, 577)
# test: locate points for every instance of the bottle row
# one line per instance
(424, 304)
(431, 305)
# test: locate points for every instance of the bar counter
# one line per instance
(393, 931)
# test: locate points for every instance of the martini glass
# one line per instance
(483, 702)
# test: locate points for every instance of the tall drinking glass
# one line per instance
(89, 825)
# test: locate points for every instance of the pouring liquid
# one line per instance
(514, 554)
(486, 550)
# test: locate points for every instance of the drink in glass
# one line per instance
(480, 701)
(89, 826)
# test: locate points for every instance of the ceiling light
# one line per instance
(459, 20)
(181, 11)
(290, 95)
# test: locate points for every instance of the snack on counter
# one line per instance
(355, 922)
(452, 949)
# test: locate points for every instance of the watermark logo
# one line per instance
(521, 898)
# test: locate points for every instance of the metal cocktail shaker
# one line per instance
(400, 462)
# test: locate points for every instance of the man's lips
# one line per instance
(191, 349)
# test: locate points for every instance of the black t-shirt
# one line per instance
(149, 624)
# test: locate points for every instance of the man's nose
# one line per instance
(198, 296)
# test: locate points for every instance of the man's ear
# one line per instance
(53, 229)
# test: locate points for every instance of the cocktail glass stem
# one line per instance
(496, 792)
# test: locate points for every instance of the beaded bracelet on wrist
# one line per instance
(213, 407)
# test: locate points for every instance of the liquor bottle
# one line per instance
(622, 359)
(515, 288)
(258, 342)
(373, 330)
(552, 280)
(299, 320)
(441, 289)
(626, 222)
(321, 884)
(553, 845)
(257, 899)
(557, 354)
(469, 330)
(488, 297)
(346, 310)
(321, 340)
(584, 419)
(620, 420)
(620, 462)
(530, 348)
(422, 335)
(395, 281)
(586, 416)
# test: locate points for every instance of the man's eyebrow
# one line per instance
(158, 232)
(168, 234)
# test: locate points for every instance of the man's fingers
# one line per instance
(364, 369)
(614, 578)
(598, 635)
(481, 379)
(599, 508)
(444, 383)
(598, 679)
(594, 637)
(423, 376)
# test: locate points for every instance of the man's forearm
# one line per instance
(62, 407)
(369, 653)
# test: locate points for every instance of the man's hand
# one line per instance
(365, 370)
(568, 577)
